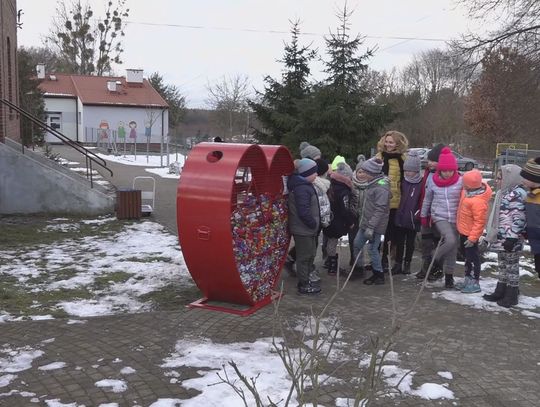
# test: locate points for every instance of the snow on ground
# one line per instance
(401, 379)
(146, 252)
(526, 305)
(14, 360)
(116, 386)
(260, 360)
(53, 366)
(145, 161)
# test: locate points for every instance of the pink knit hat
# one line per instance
(447, 161)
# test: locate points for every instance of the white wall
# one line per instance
(68, 108)
(93, 116)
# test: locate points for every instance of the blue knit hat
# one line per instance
(306, 167)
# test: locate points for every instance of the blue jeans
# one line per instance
(360, 241)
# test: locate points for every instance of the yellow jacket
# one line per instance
(394, 174)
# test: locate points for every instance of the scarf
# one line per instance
(469, 193)
(441, 182)
(510, 179)
(414, 180)
(392, 156)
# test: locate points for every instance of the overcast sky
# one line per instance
(196, 42)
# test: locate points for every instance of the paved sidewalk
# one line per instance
(494, 357)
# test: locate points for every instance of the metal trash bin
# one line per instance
(128, 203)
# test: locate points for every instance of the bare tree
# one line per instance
(228, 98)
(86, 45)
(518, 27)
(434, 70)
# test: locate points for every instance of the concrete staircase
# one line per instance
(34, 183)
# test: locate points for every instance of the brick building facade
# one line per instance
(9, 82)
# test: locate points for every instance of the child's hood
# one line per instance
(510, 177)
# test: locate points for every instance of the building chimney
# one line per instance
(111, 86)
(40, 70)
(134, 75)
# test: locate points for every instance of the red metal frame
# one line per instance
(213, 179)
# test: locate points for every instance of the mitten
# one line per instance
(468, 244)
(509, 244)
(368, 234)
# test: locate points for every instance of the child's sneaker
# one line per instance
(462, 284)
(472, 287)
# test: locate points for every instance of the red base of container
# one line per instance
(203, 303)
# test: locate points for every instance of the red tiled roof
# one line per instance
(92, 90)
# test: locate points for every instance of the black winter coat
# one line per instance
(344, 216)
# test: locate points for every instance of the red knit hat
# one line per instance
(447, 161)
(472, 179)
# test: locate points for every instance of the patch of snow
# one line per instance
(446, 375)
(253, 359)
(127, 370)
(7, 379)
(433, 391)
(166, 403)
(57, 403)
(476, 301)
(53, 366)
(116, 386)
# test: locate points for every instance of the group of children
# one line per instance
(387, 200)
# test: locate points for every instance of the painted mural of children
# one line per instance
(121, 130)
(440, 208)
(104, 130)
(471, 220)
(505, 229)
(133, 132)
(531, 180)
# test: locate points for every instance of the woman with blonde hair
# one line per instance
(391, 150)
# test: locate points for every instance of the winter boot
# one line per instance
(462, 284)
(376, 279)
(333, 265)
(308, 288)
(397, 269)
(498, 294)
(407, 267)
(436, 272)
(448, 281)
(423, 271)
(510, 297)
(473, 286)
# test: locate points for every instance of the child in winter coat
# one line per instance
(505, 229)
(531, 180)
(304, 221)
(375, 211)
(440, 208)
(471, 220)
(407, 217)
(343, 215)
(429, 234)
(391, 150)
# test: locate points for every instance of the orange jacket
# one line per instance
(472, 213)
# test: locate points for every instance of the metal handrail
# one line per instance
(89, 155)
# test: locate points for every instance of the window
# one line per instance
(54, 120)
